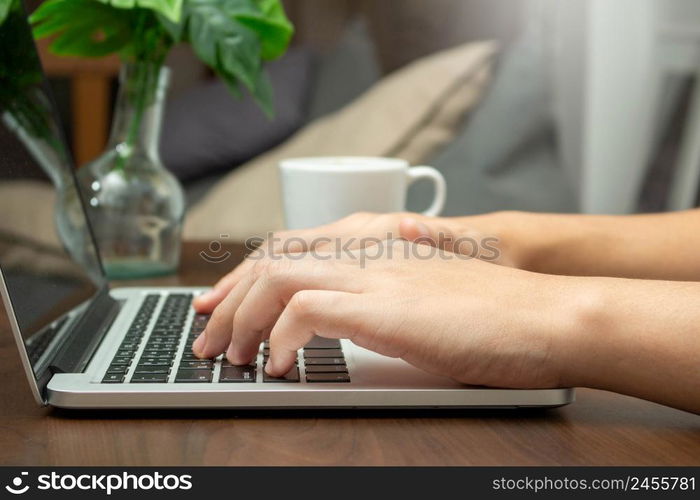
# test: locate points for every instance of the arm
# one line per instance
(653, 246)
(656, 246)
(637, 337)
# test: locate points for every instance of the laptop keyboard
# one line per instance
(39, 346)
(166, 356)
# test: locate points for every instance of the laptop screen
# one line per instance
(48, 259)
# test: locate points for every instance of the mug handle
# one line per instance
(415, 173)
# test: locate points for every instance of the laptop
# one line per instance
(84, 344)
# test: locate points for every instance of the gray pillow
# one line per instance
(346, 72)
(506, 157)
(207, 130)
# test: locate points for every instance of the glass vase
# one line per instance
(43, 141)
(136, 206)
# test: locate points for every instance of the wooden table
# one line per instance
(599, 429)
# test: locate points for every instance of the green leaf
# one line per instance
(170, 9)
(228, 47)
(5, 6)
(267, 19)
(174, 29)
(264, 95)
(234, 36)
(271, 24)
(83, 28)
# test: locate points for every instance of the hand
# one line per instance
(463, 318)
(477, 236)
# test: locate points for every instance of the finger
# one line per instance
(207, 302)
(287, 242)
(416, 231)
(433, 234)
(412, 229)
(328, 237)
(326, 313)
(351, 232)
(266, 299)
(217, 335)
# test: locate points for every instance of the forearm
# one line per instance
(636, 337)
(654, 246)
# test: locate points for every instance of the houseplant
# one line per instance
(135, 205)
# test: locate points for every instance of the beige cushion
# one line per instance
(36, 225)
(409, 114)
(28, 238)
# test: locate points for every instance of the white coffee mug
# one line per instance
(317, 191)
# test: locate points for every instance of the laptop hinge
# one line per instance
(86, 335)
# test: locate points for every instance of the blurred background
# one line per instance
(588, 106)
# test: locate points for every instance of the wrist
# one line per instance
(516, 236)
(584, 338)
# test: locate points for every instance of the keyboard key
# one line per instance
(117, 369)
(324, 361)
(196, 365)
(291, 376)
(165, 337)
(121, 360)
(159, 353)
(225, 362)
(327, 377)
(113, 378)
(145, 378)
(162, 343)
(164, 329)
(155, 362)
(141, 369)
(193, 376)
(326, 369)
(188, 356)
(323, 343)
(323, 353)
(238, 374)
(161, 349)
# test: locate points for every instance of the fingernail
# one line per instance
(198, 344)
(424, 230)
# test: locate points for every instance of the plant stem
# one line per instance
(142, 89)
(151, 46)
